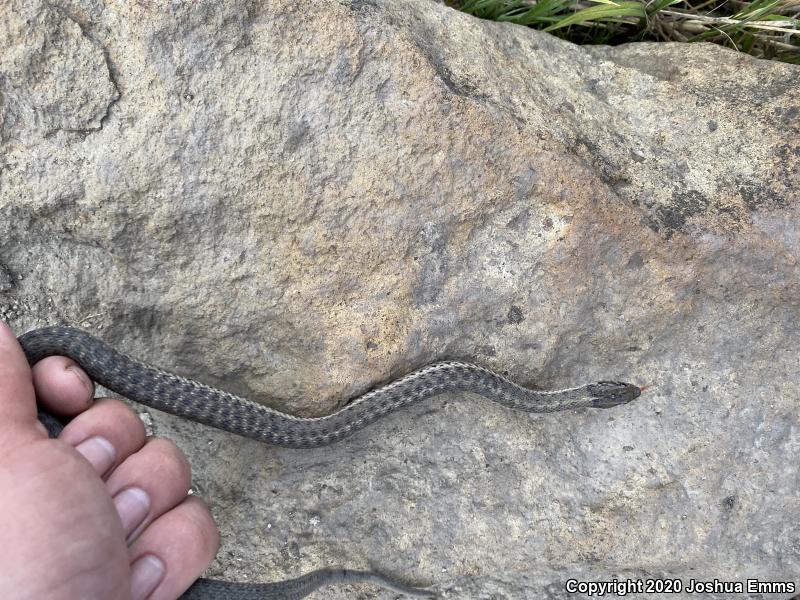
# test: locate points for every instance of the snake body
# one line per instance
(171, 393)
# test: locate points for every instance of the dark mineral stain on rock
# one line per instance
(729, 502)
(685, 205)
(756, 195)
(515, 315)
(635, 261)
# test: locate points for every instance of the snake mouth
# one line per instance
(606, 394)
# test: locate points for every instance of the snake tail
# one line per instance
(298, 588)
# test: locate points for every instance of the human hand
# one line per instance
(100, 513)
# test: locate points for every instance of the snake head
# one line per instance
(606, 394)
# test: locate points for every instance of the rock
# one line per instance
(296, 201)
(55, 76)
(6, 281)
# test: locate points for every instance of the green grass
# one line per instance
(763, 28)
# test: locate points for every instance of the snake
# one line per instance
(189, 399)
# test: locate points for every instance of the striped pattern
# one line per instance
(186, 398)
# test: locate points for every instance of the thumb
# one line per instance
(17, 396)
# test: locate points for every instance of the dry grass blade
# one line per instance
(762, 28)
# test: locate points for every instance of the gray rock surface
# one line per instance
(297, 200)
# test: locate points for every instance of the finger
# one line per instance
(106, 434)
(148, 484)
(62, 387)
(17, 398)
(183, 542)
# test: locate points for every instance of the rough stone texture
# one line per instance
(296, 200)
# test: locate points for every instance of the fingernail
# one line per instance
(132, 505)
(99, 452)
(146, 574)
(82, 376)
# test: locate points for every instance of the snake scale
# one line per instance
(165, 391)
